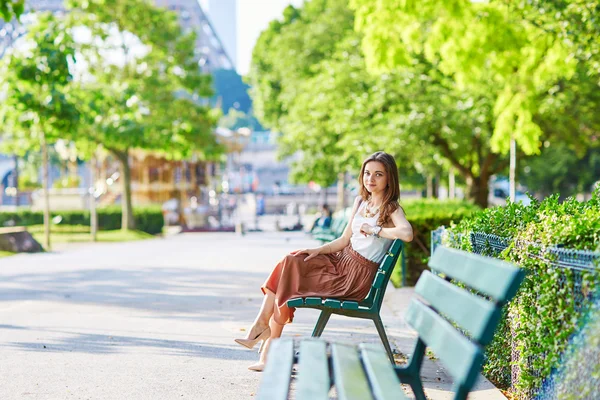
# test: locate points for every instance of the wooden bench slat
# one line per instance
(379, 279)
(383, 380)
(349, 305)
(297, 302)
(313, 371)
(311, 301)
(348, 374)
(387, 264)
(473, 313)
(461, 357)
(493, 277)
(332, 303)
(276, 378)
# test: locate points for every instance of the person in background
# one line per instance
(323, 218)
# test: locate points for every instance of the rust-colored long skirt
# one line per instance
(343, 275)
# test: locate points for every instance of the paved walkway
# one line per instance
(156, 319)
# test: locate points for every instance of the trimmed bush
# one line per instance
(549, 307)
(147, 219)
(426, 215)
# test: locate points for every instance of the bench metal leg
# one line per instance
(321, 322)
(384, 338)
(411, 374)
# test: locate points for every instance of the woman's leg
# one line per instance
(264, 314)
(276, 330)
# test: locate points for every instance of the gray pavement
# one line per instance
(156, 319)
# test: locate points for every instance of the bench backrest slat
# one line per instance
(384, 382)
(473, 313)
(278, 371)
(495, 278)
(461, 357)
(313, 371)
(375, 295)
(350, 379)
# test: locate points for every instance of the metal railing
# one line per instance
(572, 265)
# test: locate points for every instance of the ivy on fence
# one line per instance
(558, 243)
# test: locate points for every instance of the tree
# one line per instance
(310, 81)
(38, 107)
(518, 51)
(147, 95)
(10, 9)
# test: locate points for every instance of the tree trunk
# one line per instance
(478, 190)
(45, 184)
(16, 159)
(513, 170)
(127, 221)
(341, 195)
(93, 214)
(429, 186)
(451, 185)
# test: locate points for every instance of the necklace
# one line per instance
(369, 213)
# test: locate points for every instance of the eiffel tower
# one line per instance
(209, 48)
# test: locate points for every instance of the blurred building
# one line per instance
(223, 15)
(209, 46)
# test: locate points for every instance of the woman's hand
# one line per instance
(366, 229)
(312, 253)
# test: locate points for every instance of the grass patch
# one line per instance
(6, 254)
(81, 234)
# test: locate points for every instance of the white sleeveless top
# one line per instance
(370, 247)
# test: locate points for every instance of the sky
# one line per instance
(253, 17)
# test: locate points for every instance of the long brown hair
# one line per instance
(391, 196)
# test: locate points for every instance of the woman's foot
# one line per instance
(258, 367)
(256, 334)
(264, 349)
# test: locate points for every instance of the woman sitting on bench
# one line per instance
(343, 268)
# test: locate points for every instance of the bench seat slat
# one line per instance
(297, 302)
(313, 301)
(313, 371)
(349, 377)
(349, 305)
(461, 357)
(332, 303)
(383, 380)
(473, 313)
(490, 276)
(278, 371)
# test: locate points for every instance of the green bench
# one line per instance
(455, 322)
(368, 308)
(339, 220)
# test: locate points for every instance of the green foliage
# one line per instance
(10, 9)
(147, 219)
(235, 119)
(67, 182)
(546, 311)
(425, 216)
(480, 44)
(310, 81)
(36, 80)
(559, 169)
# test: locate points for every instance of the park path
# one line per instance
(155, 319)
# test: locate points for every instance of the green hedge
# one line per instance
(147, 219)
(426, 215)
(538, 323)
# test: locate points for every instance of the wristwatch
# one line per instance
(376, 231)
